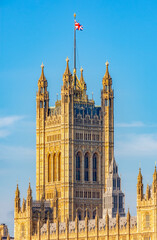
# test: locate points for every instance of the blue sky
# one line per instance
(122, 32)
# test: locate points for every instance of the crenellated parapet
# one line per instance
(87, 229)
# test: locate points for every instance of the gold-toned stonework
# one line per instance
(78, 188)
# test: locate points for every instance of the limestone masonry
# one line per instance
(78, 188)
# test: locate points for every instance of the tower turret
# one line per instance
(42, 110)
(108, 121)
(29, 197)
(139, 186)
(67, 76)
(23, 205)
(155, 181)
(147, 192)
(17, 199)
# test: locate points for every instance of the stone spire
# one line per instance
(17, 192)
(29, 196)
(67, 70)
(147, 192)
(139, 178)
(29, 191)
(128, 216)
(83, 84)
(139, 185)
(23, 205)
(67, 76)
(17, 199)
(107, 75)
(42, 77)
(155, 180)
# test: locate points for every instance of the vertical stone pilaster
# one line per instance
(86, 226)
(38, 229)
(57, 229)
(117, 226)
(128, 225)
(67, 228)
(96, 225)
(48, 228)
(76, 226)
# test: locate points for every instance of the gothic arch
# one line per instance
(54, 167)
(78, 162)
(49, 168)
(95, 168)
(79, 213)
(94, 213)
(59, 166)
(86, 166)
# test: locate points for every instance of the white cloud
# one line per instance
(137, 145)
(7, 121)
(132, 124)
(4, 133)
(16, 153)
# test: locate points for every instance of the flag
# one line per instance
(78, 26)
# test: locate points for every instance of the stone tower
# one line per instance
(75, 141)
(107, 106)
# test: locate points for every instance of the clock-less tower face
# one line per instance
(74, 146)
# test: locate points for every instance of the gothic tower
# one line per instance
(107, 105)
(74, 146)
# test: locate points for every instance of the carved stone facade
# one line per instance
(34, 220)
(75, 141)
(77, 179)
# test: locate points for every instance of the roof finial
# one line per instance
(67, 59)
(107, 63)
(42, 65)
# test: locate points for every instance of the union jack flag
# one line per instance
(78, 26)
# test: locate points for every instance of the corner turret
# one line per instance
(29, 197)
(67, 76)
(42, 111)
(139, 186)
(107, 105)
(17, 199)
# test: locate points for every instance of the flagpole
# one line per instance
(74, 52)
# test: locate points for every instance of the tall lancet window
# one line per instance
(54, 168)
(78, 162)
(59, 167)
(95, 160)
(86, 169)
(49, 168)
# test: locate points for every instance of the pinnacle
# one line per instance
(67, 70)
(17, 193)
(107, 75)
(42, 77)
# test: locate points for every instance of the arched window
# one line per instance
(147, 220)
(49, 168)
(79, 215)
(54, 168)
(86, 163)
(59, 167)
(78, 162)
(94, 214)
(95, 167)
